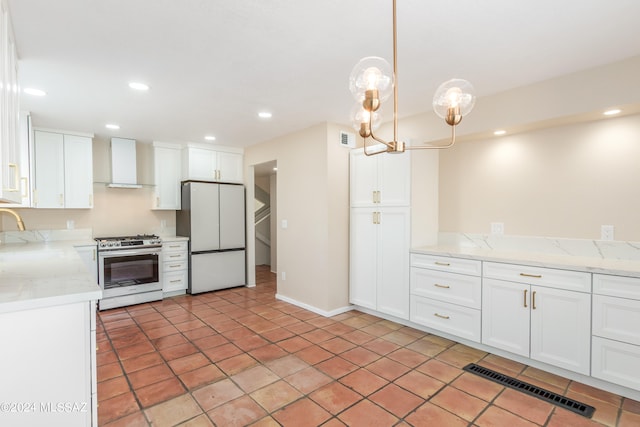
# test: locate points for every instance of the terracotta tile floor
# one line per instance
(240, 357)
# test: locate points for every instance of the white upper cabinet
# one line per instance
(381, 180)
(167, 170)
(10, 162)
(209, 164)
(63, 171)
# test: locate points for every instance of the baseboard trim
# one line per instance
(313, 309)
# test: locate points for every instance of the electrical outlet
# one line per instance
(285, 223)
(606, 232)
(497, 228)
(283, 275)
(71, 224)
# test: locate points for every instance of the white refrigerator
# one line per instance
(213, 217)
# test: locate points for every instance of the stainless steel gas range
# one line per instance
(129, 270)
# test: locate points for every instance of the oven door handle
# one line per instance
(124, 253)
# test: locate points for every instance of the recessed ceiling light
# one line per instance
(612, 112)
(34, 91)
(112, 126)
(210, 138)
(138, 86)
(264, 115)
(499, 132)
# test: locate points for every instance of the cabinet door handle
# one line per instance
(446, 264)
(174, 256)
(537, 276)
(90, 199)
(533, 300)
(174, 266)
(174, 246)
(378, 198)
(525, 298)
(25, 189)
(437, 285)
(61, 199)
(16, 178)
(441, 316)
(175, 281)
(94, 254)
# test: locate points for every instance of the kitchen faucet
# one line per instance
(18, 218)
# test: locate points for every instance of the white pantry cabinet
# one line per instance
(381, 180)
(616, 335)
(380, 233)
(63, 170)
(167, 170)
(379, 253)
(10, 164)
(212, 164)
(175, 266)
(524, 312)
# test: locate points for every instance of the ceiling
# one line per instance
(212, 65)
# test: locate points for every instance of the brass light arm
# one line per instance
(436, 147)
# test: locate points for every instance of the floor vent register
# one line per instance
(532, 390)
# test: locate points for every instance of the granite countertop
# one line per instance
(41, 274)
(622, 267)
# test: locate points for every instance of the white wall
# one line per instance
(312, 196)
(564, 181)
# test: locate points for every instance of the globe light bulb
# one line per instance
(371, 73)
(456, 94)
(360, 115)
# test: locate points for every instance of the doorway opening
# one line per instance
(264, 223)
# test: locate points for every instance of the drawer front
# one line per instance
(616, 318)
(448, 287)
(175, 246)
(175, 281)
(453, 265)
(174, 256)
(453, 319)
(554, 278)
(616, 362)
(174, 266)
(616, 286)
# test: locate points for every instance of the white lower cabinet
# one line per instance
(616, 333)
(379, 257)
(445, 300)
(175, 267)
(49, 366)
(538, 321)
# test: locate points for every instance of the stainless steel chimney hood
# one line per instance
(123, 164)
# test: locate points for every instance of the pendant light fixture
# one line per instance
(373, 81)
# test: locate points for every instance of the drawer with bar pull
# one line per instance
(448, 287)
(453, 319)
(550, 277)
(450, 264)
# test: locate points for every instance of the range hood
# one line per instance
(123, 164)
